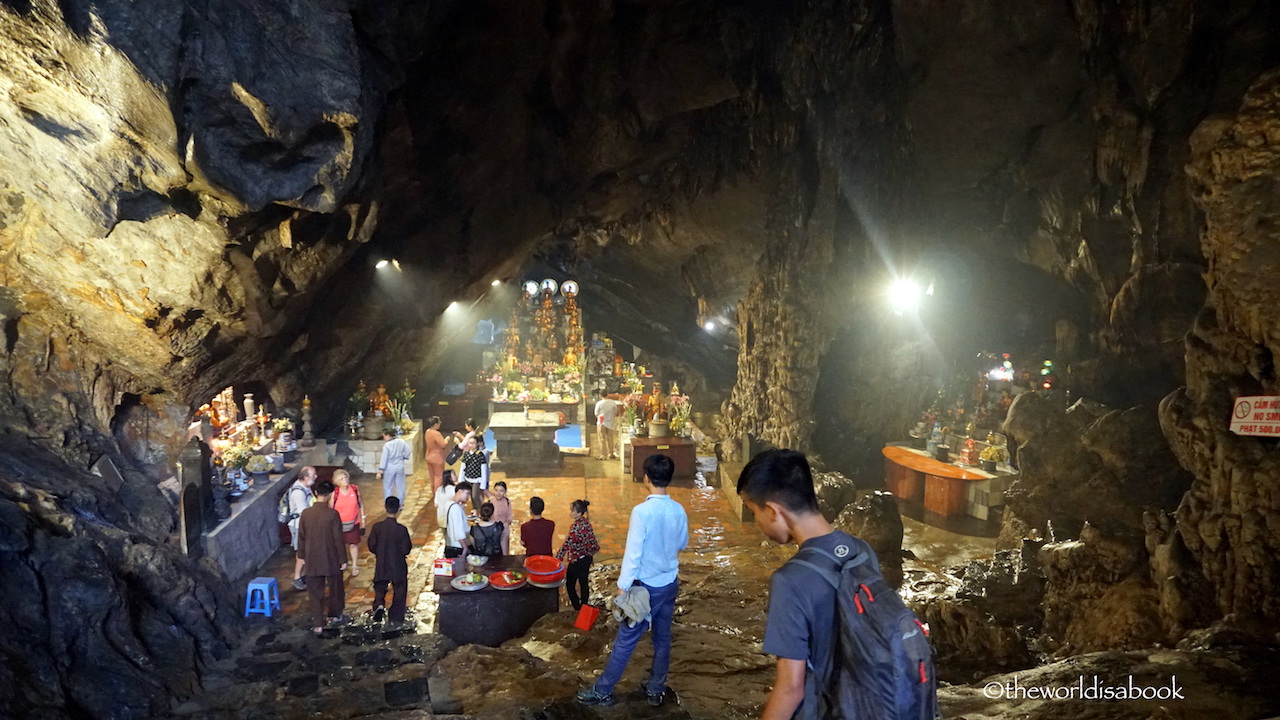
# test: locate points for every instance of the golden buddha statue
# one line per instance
(379, 401)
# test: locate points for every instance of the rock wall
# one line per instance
(97, 620)
(782, 333)
(1227, 520)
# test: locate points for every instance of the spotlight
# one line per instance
(395, 263)
(496, 282)
(452, 305)
(904, 295)
(709, 326)
(381, 264)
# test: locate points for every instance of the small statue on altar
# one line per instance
(570, 357)
(379, 401)
(656, 406)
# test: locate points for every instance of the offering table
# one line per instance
(944, 488)
(489, 616)
(525, 444)
(682, 452)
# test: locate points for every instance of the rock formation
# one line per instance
(194, 194)
(1227, 519)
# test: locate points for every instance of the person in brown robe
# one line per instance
(389, 541)
(320, 545)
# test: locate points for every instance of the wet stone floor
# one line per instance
(366, 669)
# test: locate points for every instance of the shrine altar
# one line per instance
(525, 444)
(570, 410)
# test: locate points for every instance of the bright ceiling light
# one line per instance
(381, 264)
(395, 263)
(452, 305)
(496, 282)
(709, 326)
(904, 295)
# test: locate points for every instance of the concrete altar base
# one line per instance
(243, 542)
(526, 445)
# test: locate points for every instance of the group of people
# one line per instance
(804, 621)
(327, 515)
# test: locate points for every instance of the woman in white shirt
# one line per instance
(444, 496)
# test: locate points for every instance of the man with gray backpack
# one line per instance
(294, 500)
(846, 644)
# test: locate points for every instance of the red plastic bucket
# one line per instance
(587, 617)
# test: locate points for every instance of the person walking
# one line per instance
(578, 551)
(320, 545)
(658, 531)
(300, 498)
(390, 543)
(391, 466)
(606, 421)
(436, 446)
(346, 500)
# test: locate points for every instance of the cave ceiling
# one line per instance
(194, 194)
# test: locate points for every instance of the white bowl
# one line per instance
(477, 560)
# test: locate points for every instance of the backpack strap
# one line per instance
(831, 575)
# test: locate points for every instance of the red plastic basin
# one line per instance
(542, 565)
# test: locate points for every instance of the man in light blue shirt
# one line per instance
(659, 530)
(394, 454)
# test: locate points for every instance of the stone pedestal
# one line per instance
(246, 539)
(526, 445)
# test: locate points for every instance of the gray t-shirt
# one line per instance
(802, 606)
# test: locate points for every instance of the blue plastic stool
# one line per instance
(263, 596)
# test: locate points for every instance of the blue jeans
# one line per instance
(662, 605)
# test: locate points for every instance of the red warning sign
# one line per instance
(1257, 415)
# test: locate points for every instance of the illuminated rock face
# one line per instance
(192, 195)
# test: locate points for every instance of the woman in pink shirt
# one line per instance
(502, 513)
(436, 446)
(346, 500)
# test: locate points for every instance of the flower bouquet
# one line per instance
(282, 425)
(515, 387)
(236, 456)
(405, 394)
(679, 407)
(630, 409)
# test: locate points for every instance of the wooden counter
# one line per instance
(946, 489)
(490, 616)
(680, 450)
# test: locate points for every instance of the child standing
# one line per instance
(579, 551)
(475, 470)
(502, 513)
(390, 543)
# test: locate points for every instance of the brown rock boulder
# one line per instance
(875, 519)
(1098, 595)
